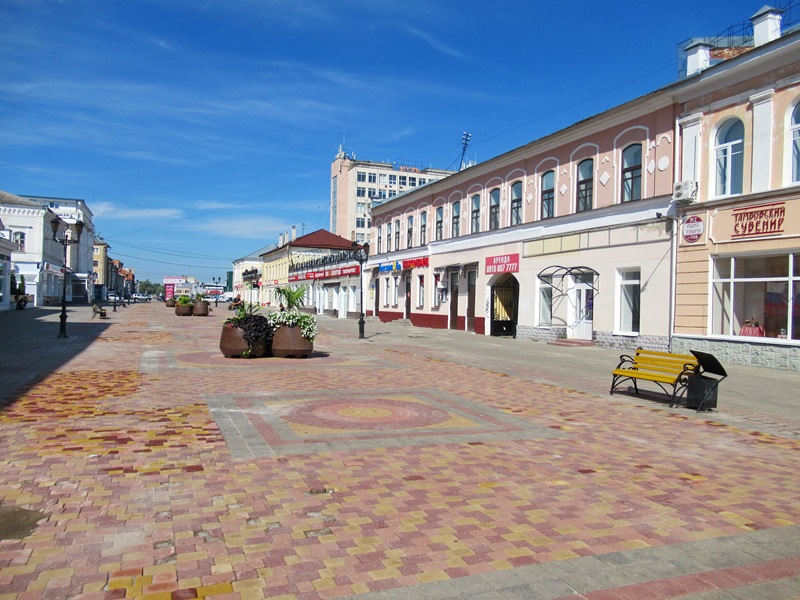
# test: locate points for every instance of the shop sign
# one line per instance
(415, 263)
(392, 266)
(692, 229)
(326, 273)
(764, 219)
(505, 263)
(169, 290)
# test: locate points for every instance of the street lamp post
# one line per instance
(65, 241)
(361, 255)
(216, 281)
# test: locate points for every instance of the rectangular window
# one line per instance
(516, 203)
(372, 178)
(437, 279)
(361, 192)
(361, 222)
(388, 237)
(361, 207)
(395, 289)
(412, 181)
(392, 193)
(381, 178)
(361, 176)
(757, 296)
(422, 181)
(423, 229)
(380, 239)
(19, 240)
(548, 194)
(421, 291)
(397, 235)
(585, 185)
(392, 179)
(546, 302)
(439, 224)
(475, 224)
(410, 232)
(629, 291)
(403, 179)
(456, 223)
(388, 296)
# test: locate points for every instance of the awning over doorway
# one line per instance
(555, 273)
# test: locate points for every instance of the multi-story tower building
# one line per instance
(358, 185)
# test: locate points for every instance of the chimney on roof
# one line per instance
(294, 232)
(280, 240)
(766, 25)
(698, 57)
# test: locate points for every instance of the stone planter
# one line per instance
(233, 345)
(183, 310)
(288, 342)
(170, 303)
(200, 309)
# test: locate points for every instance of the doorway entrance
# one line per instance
(472, 277)
(453, 299)
(505, 302)
(582, 304)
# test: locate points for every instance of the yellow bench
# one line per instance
(669, 371)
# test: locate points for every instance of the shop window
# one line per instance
(410, 232)
(475, 225)
(629, 296)
(795, 137)
(455, 225)
(423, 228)
(548, 194)
(632, 173)
(585, 185)
(387, 297)
(729, 158)
(437, 280)
(494, 209)
(546, 301)
(756, 296)
(439, 223)
(516, 203)
(395, 289)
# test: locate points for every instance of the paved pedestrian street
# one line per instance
(413, 464)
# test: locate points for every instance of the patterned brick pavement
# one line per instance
(370, 470)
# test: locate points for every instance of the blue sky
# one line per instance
(198, 130)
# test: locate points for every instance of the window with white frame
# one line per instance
(494, 209)
(19, 240)
(548, 194)
(435, 300)
(585, 188)
(410, 232)
(795, 137)
(372, 178)
(632, 173)
(392, 179)
(475, 223)
(729, 158)
(388, 237)
(455, 225)
(361, 176)
(423, 228)
(388, 296)
(629, 293)
(395, 289)
(545, 301)
(380, 238)
(516, 203)
(439, 223)
(757, 296)
(397, 234)
(361, 192)
(381, 178)
(420, 291)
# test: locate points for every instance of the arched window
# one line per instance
(494, 209)
(548, 194)
(729, 153)
(455, 225)
(439, 223)
(796, 144)
(389, 237)
(410, 232)
(632, 173)
(516, 203)
(380, 238)
(475, 225)
(397, 234)
(585, 185)
(423, 228)
(19, 240)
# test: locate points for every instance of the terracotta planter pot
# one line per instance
(170, 303)
(200, 309)
(233, 345)
(183, 310)
(288, 342)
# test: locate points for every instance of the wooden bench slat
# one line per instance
(662, 368)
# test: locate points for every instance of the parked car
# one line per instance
(112, 297)
(141, 297)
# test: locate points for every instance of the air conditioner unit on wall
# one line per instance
(684, 192)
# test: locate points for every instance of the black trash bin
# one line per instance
(701, 391)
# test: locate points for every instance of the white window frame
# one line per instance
(621, 303)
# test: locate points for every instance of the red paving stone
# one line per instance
(388, 469)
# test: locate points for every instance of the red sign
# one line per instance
(505, 263)
(765, 219)
(169, 290)
(326, 274)
(415, 263)
(693, 228)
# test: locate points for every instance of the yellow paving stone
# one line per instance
(116, 584)
(359, 588)
(292, 560)
(567, 529)
(109, 567)
(431, 576)
(223, 568)
(158, 569)
(190, 556)
(516, 552)
(252, 594)
(156, 596)
(324, 584)
(253, 548)
(332, 563)
(19, 569)
(501, 565)
(217, 588)
(97, 586)
(784, 522)
(563, 554)
(189, 582)
(635, 544)
(456, 562)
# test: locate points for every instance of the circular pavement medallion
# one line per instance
(377, 414)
